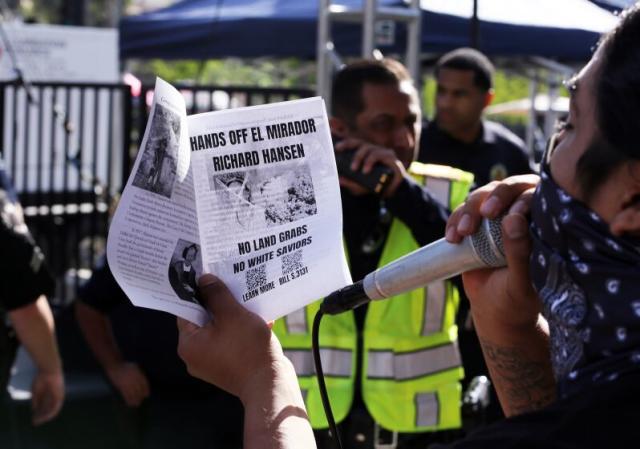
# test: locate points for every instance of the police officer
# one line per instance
(25, 315)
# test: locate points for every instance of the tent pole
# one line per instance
(532, 122)
(368, 28)
(414, 41)
(322, 60)
(475, 26)
(551, 114)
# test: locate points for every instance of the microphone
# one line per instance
(433, 262)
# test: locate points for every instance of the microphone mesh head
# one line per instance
(487, 243)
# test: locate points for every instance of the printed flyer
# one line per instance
(249, 194)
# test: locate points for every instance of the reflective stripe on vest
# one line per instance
(440, 189)
(411, 365)
(296, 322)
(435, 297)
(448, 185)
(335, 362)
(427, 409)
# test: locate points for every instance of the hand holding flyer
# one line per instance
(250, 195)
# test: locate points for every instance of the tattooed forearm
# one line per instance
(523, 382)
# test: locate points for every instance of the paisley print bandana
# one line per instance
(589, 283)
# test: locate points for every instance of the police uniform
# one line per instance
(23, 274)
(496, 154)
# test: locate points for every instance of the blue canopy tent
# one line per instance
(206, 29)
(614, 5)
(564, 30)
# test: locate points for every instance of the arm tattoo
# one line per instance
(524, 384)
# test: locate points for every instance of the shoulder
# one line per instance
(430, 130)
(439, 172)
(502, 135)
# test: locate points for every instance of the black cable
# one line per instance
(315, 333)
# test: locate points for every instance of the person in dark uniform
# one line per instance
(164, 407)
(25, 315)
(458, 136)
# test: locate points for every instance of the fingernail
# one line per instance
(491, 206)
(450, 233)
(465, 224)
(519, 207)
(514, 227)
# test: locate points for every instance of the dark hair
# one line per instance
(346, 93)
(617, 99)
(187, 248)
(471, 60)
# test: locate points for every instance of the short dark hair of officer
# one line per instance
(346, 92)
(468, 59)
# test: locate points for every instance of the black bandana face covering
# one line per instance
(589, 283)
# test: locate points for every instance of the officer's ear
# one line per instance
(338, 127)
(488, 97)
(627, 220)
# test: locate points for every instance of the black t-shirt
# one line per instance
(605, 416)
(496, 154)
(146, 337)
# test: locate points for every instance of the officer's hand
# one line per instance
(47, 396)
(130, 381)
(236, 350)
(366, 156)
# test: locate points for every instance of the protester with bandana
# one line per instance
(559, 326)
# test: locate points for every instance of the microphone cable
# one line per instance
(315, 333)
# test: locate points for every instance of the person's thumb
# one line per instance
(517, 247)
(216, 296)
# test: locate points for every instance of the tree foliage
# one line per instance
(98, 13)
(261, 72)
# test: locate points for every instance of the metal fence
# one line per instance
(213, 98)
(65, 147)
(69, 149)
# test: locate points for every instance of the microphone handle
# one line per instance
(436, 261)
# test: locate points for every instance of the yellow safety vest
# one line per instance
(411, 364)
